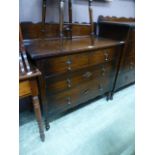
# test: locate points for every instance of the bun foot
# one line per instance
(47, 126)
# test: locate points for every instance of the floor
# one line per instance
(99, 128)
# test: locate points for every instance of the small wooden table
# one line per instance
(28, 87)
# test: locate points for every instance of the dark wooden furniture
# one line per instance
(76, 66)
(74, 72)
(121, 29)
(28, 85)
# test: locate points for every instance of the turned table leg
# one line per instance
(37, 111)
(36, 105)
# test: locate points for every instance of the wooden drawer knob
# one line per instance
(87, 74)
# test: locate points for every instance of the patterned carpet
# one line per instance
(99, 128)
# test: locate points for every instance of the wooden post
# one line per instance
(43, 14)
(61, 18)
(91, 20)
(22, 49)
(70, 16)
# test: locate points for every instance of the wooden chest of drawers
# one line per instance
(76, 74)
(124, 31)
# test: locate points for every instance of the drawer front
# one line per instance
(62, 101)
(64, 64)
(128, 65)
(125, 79)
(24, 88)
(68, 81)
(132, 35)
(130, 49)
(103, 55)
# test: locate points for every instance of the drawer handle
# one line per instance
(68, 83)
(131, 65)
(69, 68)
(87, 74)
(103, 71)
(106, 56)
(100, 87)
(86, 92)
(69, 100)
(68, 62)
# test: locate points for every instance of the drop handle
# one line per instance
(106, 56)
(87, 74)
(103, 71)
(69, 100)
(100, 87)
(68, 83)
(86, 92)
(69, 68)
(131, 65)
(68, 62)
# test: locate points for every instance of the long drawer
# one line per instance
(66, 64)
(75, 96)
(128, 64)
(130, 49)
(67, 81)
(125, 79)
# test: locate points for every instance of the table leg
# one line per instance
(36, 105)
(37, 111)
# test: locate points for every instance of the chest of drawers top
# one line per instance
(45, 48)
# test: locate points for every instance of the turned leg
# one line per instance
(37, 111)
(36, 105)
(110, 96)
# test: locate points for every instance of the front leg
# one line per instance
(37, 111)
(110, 96)
(47, 125)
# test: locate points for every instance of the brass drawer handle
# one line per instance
(69, 100)
(103, 71)
(69, 68)
(87, 74)
(100, 87)
(86, 92)
(68, 62)
(131, 65)
(106, 55)
(68, 83)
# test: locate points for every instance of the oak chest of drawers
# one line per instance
(74, 72)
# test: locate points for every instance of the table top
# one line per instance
(44, 48)
(128, 24)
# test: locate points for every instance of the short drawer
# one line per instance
(67, 81)
(62, 64)
(103, 55)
